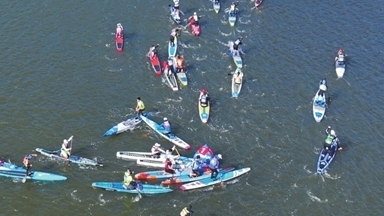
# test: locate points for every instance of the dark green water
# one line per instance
(62, 76)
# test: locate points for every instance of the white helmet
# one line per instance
(194, 13)
(65, 141)
(333, 133)
(157, 145)
(219, 156)
(165, 119)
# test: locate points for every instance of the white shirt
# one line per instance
(176, 3)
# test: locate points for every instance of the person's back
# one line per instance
(167, 125)
(238, 78)
(214, 163)
(180, 62)
(128, 183)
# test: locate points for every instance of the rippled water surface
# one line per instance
(62, 76)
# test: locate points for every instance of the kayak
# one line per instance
(172, 48)
(236, 87)
(181, 162)
(340, 66)
(326, 157)
(119, 39)
(155, 63)
(185, 178)
(258, 3)
(170, 136)
(181, 76)
(203, 111)
(142, 188)
(174, 15)
(14, 171)
(222, 177)
(196, 29)
(320, 101)
(216, 6)
(232, 17)
(170, 75)
(237, 58)
(162, 175)
(123, 126)
(72, 158)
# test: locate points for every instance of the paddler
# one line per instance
(174, 33)
(187, 211)
(140, 107)
(180, 63)
(322, 87)
(331, 137)
(204, 98)
(176, 4)
(166, 125)
(168, 166)
(157, 151)
(152, 51)
(196, 167)
(237, 43)
(119, 30)
(129, 183)
(238, 77)
(339, 53)
(194, 18)
(214, 164)
(232, 9)
(65, 150)
(27, 164)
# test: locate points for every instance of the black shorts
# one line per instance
(170, 171)
(176, 7)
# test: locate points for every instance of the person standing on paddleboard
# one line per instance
(180, 63)
(27, 164)
(174, 33)
(214, 164)
(152, 51)
(140, 107)
(187, 211)
(65, 150)
(237, 43)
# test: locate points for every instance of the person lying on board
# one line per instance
(65, 150)
(129, 183)
(187, 211)
(204, 98)
(194, 18)
(166, 125)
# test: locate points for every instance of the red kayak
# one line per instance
(258, 2)
(195, 28)
(155, 63)
(119, 38)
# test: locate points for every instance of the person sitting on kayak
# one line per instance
(187, 211)
(204, 98)
(238, 77)
(331, 137)
(156, 150)
(167, 126)
(174, 33)
(194, 19)
(237, 43)
(152, 51)
(140, 107)
(27, 164)
(129, 183)
(119, 31)
(168, 166)
(196, 167)
(214, 164)
(180, 63)
(65, 150)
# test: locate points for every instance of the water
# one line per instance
(62, 77)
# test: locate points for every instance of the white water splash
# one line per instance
(315, 198)
(74, 196)
(102, 201)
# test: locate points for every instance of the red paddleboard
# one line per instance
(120, 41)
(155, 64)
(196, 29)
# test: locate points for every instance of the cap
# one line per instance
(165, 119)
(204, 90)
(219, 156)
(194, 13)
(333, 133)
(157, 144)
(65, 141)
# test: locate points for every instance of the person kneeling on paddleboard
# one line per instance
(168, 166)
(27, 164)
(157, 151)
(237, 43)
(214, 164)
(180, 63)
(167, 126)
(204, 98)
(140, 107)
(187, 211)
(195, 19)
(196, 167)
(129, 183)
(65, 150)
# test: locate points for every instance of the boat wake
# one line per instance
(326, 175)
(224, 34)
(315, 198)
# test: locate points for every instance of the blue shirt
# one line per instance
(167, 126)
(214, 163)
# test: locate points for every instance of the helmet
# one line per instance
(157, 145)
(194, 13)
(219, 156)
(65, 141)
(333, 133)
(165, 119)
(203, 90)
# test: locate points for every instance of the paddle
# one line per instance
(25, 177)
(71, 139)
(177, 151)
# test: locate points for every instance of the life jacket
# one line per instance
(233, 7)
(141, 105)
(237, 42)
(127, 178)
(180, 63)
(185, 212)
(26, 161)
(329, 139)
